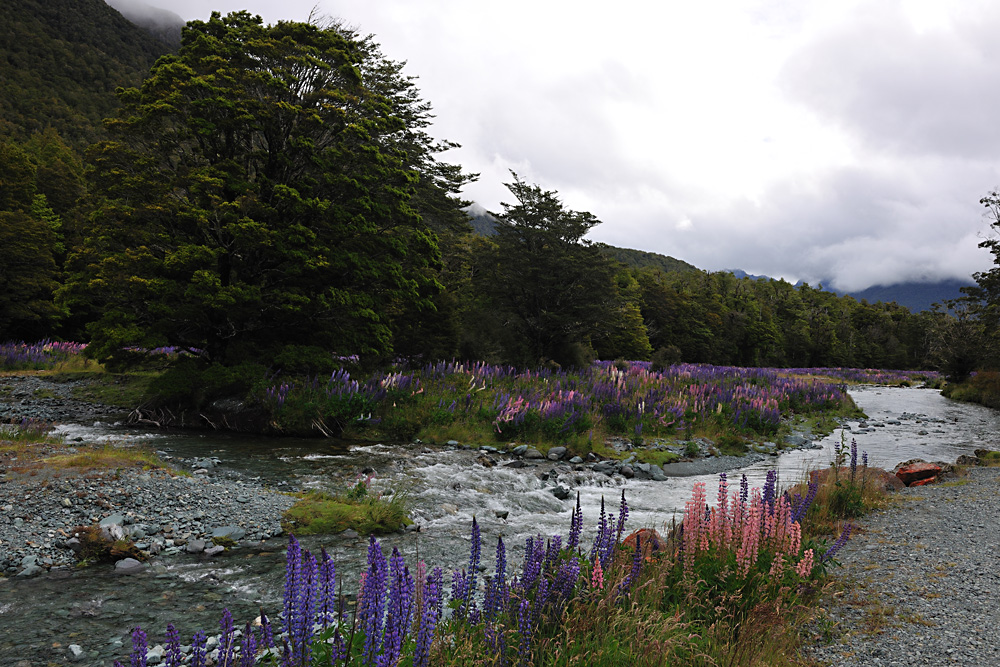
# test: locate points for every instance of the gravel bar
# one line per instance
(920, 581)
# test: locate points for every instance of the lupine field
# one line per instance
(627, 399)
(687, 592)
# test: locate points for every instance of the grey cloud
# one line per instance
(904, 91)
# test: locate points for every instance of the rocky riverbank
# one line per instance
(919, 581)
(164, 513)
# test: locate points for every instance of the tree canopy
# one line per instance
(254, 194)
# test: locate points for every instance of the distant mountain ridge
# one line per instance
(160, 23)
(916, 296)
(485, 224)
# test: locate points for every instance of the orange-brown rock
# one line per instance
(925, 480)
(914, 472)
(648, 538)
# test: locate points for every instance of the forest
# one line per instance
(269, 199)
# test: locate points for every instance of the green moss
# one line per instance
(656, 457)
(320, 513)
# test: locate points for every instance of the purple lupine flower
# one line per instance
(770, 489)
(854, 458)
(475, 551)
(602, 529)
(303, 610)
(173, 656)
(864, 459)
(267, 630)
(541, 600)
(503, 591)
(622, 518)
(400, 603)
(575, 525)
(248, 648)
(459, 582)
(524, 628)
(139, 647)
(553, 551)
(841, 541)
(565, 582)
(372, 605)
(799, 511)
(744, 489)
(227, 642)
(327, 602)
(293, 576)
(198, 649)
(533, 557)
(429, 619)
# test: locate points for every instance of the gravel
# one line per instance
(920, 581)
(164, 514)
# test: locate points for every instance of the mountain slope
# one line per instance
(60, 63)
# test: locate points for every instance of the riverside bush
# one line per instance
(719, 589)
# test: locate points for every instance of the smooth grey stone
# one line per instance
(128, 566)
(556, 453)
(234, 533)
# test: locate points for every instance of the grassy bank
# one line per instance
(982, 388)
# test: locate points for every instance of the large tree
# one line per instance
(549, 289)
(255, 194)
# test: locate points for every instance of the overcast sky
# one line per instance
(824, 140)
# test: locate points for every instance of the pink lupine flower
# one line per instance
(777, 567)
(805, 566)
(597, 577)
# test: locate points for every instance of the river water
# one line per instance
(40, 617)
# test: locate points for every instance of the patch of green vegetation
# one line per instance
(321, 513)
(108, 457)
(656, 457)
(125, 390)
(989, 459)
(43, 392)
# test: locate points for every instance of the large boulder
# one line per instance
(911, 473)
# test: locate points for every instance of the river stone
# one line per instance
(113, 520)
(501, 514)
(561, 492)
(556, 453)
(213, 551)
(519, 450)
(656, 473)
(76, 652)
(795, 440)
(627, 472)
(605, 468)
(350, 532)
(128, 566)
(154, 656)
(576, 460)
(195, 546)
(234, 533)
(532, 453)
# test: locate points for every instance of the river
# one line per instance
(95, 609)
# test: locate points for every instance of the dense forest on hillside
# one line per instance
(271, 196)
